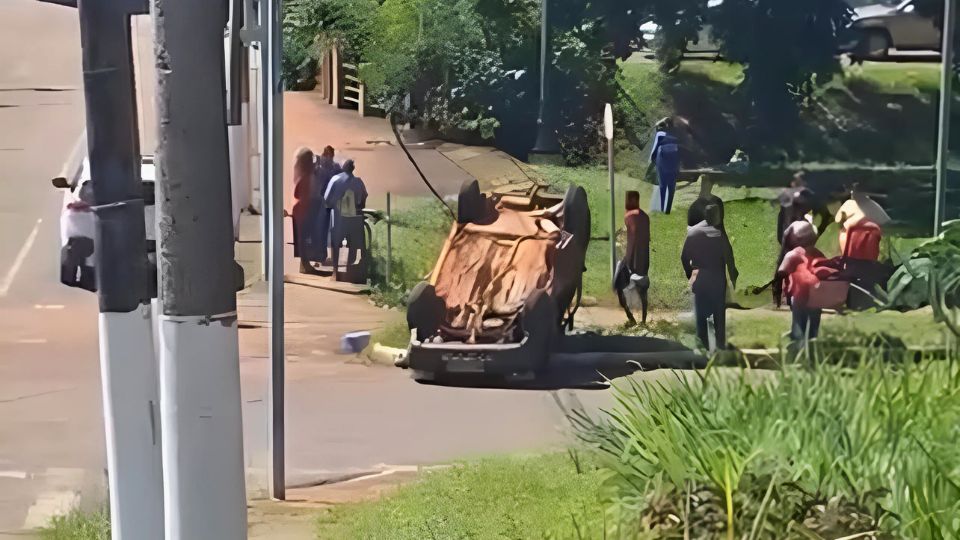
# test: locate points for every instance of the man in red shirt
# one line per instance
(636, 259)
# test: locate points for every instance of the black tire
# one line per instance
(540, 324)
(576, 215)
(424, 310)
(874, 45)
(470, 203)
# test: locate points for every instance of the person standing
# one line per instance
(698, 212)
(326, 168)
(635, 266)
(302, 179)
(665, 157)
(797, 271)
(799, 202)
(346, 197)
(704, 260)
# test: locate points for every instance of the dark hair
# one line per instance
(328, 151)
(632, 201)
(348, 166)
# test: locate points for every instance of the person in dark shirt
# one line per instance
(326, 168)
(704, 260)
(636, 258)
(796, 202)
(698, 212)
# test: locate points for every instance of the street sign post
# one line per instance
(608, 133)
(946, 103)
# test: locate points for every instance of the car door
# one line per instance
(911, 30)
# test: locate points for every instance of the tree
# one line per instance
(310, 27)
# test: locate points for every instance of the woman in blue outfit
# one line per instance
(666, 158)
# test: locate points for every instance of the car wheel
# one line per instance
(576, 215)
(424, 310)
(540, 324)
(470, 203)
(875, 45)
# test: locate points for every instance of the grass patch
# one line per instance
(420, 226)
(394, 334)
(515, 497)
(78, 525)
(750, 222)
(823, 453)
(851, 122)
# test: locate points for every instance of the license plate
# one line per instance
(465, 366)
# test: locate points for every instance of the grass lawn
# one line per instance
(851, 122)
(78, 526)
(510, 497)
(749, 219)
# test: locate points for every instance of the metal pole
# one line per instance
(613, 210)
(946, 103)
(127, 361)
(608, 128)
(389, 238)
(547, 142)
(274, 105)
(202, 439)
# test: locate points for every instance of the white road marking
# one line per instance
(48, 306)
(18, 262)
(18, 475)
(31, 341)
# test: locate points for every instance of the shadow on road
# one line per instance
(589, 361)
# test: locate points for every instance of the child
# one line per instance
(636, 258)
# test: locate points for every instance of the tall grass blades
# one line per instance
(832, 452)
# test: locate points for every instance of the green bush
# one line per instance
(817, 453)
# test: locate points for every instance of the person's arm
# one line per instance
(685, 258)
(729, 258)
(329, 198)
(825, 220)
(656, 146)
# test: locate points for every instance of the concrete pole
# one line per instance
(946, 105)
(273, 100)
(127, 363)
(203, 469)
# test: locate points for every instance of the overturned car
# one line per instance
(507, 282)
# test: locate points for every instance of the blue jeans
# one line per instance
(712, 304)
(806, 323)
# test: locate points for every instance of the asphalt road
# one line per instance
(342, 417)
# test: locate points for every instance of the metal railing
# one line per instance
(353, 90)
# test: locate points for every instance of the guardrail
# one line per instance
(353, 89)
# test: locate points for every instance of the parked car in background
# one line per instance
(77, 220)
(880, 27)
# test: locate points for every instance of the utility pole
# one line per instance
(199, 363)
(128, 366)
(946, 105)
(547, 143)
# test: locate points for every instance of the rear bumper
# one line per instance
(437, 360)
